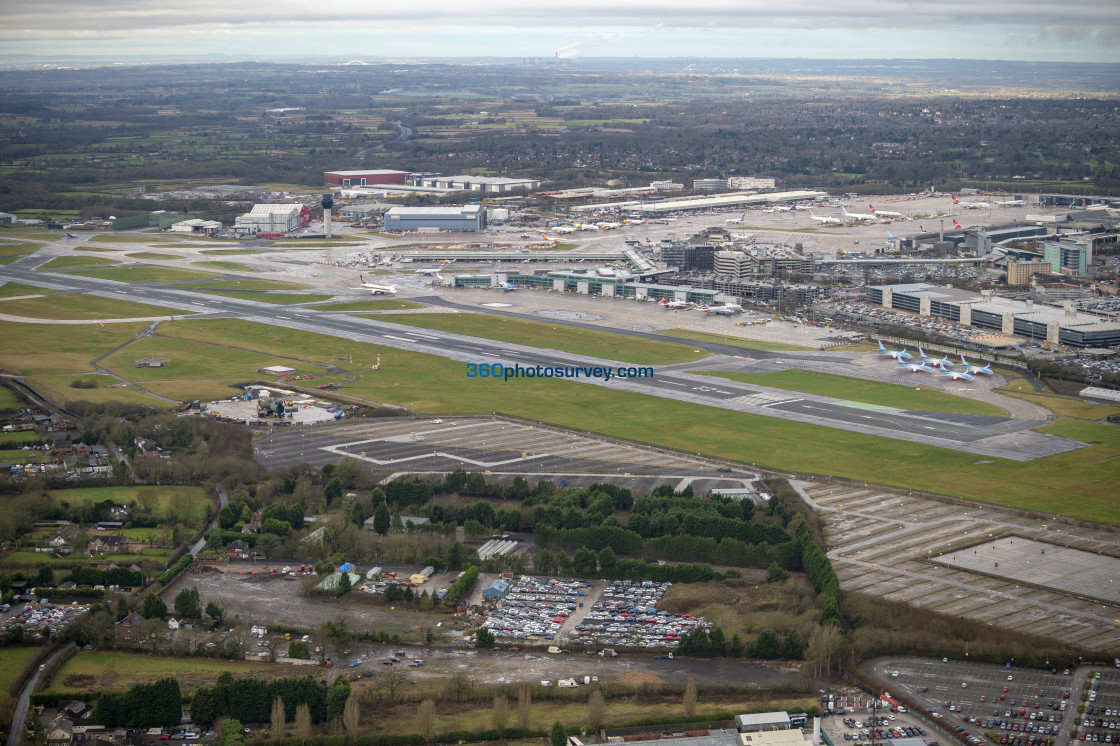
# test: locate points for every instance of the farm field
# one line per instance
(116, 672)
(125, 495)
(12, 661)
(868, 392)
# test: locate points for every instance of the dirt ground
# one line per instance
(272, 601)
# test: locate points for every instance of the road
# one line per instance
(1009, 438)
(23, 706)
(223, 500)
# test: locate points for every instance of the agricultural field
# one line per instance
(869, 392)
(12, 661)
(83, 307)
(9, 402)
(163, 497)
(116, 672)
(562, 337)
(69, 262)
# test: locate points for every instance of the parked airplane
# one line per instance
(547, 237)
(957, 225)
(737, 220)
(896, 354)
(376, 289)
(70, 235)
(942, 363)
(675, 304)
(725, 310)
(609, 226)
(985, 370)
(884, 213)
(1011, 203)
(823, 220)
(957, 375)
(970, 205)
(858, 215)
(915, 367)
(509, 287)
(563, 229)
(430, 271)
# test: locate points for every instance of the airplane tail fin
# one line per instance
(871, 206)
(957, 225)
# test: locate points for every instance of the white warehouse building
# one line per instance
(488, 184)
(271, 219)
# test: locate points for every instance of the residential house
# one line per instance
(129, 627)
(60, 732)
(109, 545)
(62, 447)
(238, 550)
(148, 449)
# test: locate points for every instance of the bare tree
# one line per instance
(596, 710)
(276, 720)
(499, 713)
(351, 716)
(457, 686)
(148, 499)
(302, 727)
(690, 697)
(426, 719)
(827, 648)
(524, 707)
(392, 681)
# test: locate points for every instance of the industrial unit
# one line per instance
(488, 184)
(1024, 319)
(436, 219)
(273, 220)
(583, 282)
(362, 178)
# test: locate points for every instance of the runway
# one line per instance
(998, 437)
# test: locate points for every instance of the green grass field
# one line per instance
(746, 344)
(83, 307)
(69, 262)
(560, 337)
(16, 436)
(12, 662)
(100, 249)
(125, 495)
(118, 671)
(38, 349)
(225, 266)
(1069, 406)
(143, 274)
(869, 392)
(12, 289)
(152, 256)
(1043, 484)
(230, 252)
(217, 284)
(373, 305)
(9, 402)
(293, 299)
(125, 238)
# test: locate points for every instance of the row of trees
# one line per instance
(252, 700)
(713, 643)
(143, 705)
(819, 568)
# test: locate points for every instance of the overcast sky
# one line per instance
(1072, 30)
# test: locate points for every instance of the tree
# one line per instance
(499, 713)
(302, 727)
(45, 576)
(426, 719)
(203, 710)
(381, 518)
(793, 649)
(691, 696)
(736, 649)
(351, 716)
(596, 710)
(775, 574)
(392, 682)
(333, 490)
(148, 499)
(584, 561)
(524, 707)
(153, 607)
(81, 542)
(484, 638)
(827, 648)
(180, 508)
(559, 736)
(276, 719)
(766, 645)
(337, 696)
(344, 584)
(608, 562)
(187, 604)
(299, 650)
(214, 612)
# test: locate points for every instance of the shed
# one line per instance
(277, 370)
(495, 591)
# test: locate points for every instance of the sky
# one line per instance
(1039, 30)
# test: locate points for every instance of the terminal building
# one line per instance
(1023, 319)
(436, 219)
(487, 184)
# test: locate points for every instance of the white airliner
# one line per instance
(957, 375)
(896, 354)
(859, 215)
(563, 229)
(675, 304)
(824, 219)
(984, 370)
(941, 362)
(430, 271)
(509, 287)
(915, 367)
(970, 205)
(884, 213)
(376, 289)
(1011, 203)
(725, 310)
(737, 220)
(609, 226)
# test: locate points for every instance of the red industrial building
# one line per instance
(364, 178)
